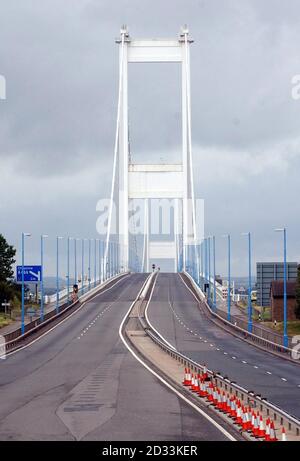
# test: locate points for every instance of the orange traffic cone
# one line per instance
(255, 427)
(196, 385)
(261, 429)
(188, 377)
(283, 435)
(267, 434)
(272, 433)
(185, 379)
(239, 414)
(192, 382)
(245, 421)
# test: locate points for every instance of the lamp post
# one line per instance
(100, 262)
(24, 234)
(209, 286)
(205, 261)
(82, 265)
(57, 273)
(89, 268)
(95, 259)
(68, 266)
(214, 269)
(250, 325)
(229, 279)
(42, 277)
(285, 336)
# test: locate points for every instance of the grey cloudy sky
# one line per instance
(58, 122)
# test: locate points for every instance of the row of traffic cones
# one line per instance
(246, 418)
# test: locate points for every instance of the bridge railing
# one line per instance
(239, 326)
(13, 339)
(247, 397)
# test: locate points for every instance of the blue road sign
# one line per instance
(31, 274)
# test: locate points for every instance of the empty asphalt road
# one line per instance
(79, 382)
(174, 312)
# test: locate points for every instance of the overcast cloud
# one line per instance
(57, 124)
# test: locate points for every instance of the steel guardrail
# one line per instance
(13, 343)
(248, 397)
(245, 333)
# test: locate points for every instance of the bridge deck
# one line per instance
(80, 382)
(172, 303)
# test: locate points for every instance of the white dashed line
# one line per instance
(269, 373)
(244, 361)
(283, 379)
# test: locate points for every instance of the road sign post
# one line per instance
(5, 305)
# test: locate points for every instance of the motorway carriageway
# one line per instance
(79, 382)
(174, 312)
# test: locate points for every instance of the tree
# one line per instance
(7, 254)
(297, 310)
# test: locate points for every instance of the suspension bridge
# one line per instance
(130, 352)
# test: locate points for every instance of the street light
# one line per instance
(24, 234)
(209, 287)
(68, 267)
(95, 259)
(42, 277)
(75, 260)
(285, 336)
(100, 262)
(89, 268)
(248, 234)
(214, 265)
(82, 264)
(57, 273)
(229, 280)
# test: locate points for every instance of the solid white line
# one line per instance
(220, 428)
(64, 320)
(147, 318)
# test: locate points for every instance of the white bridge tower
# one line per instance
(153, 181)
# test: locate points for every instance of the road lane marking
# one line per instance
(147, 318)
(68, 317)
(199, 410)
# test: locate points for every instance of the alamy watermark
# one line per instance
(2, 348)
(2, 88)
(165, 217)
(296, 87)
(296, 348)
